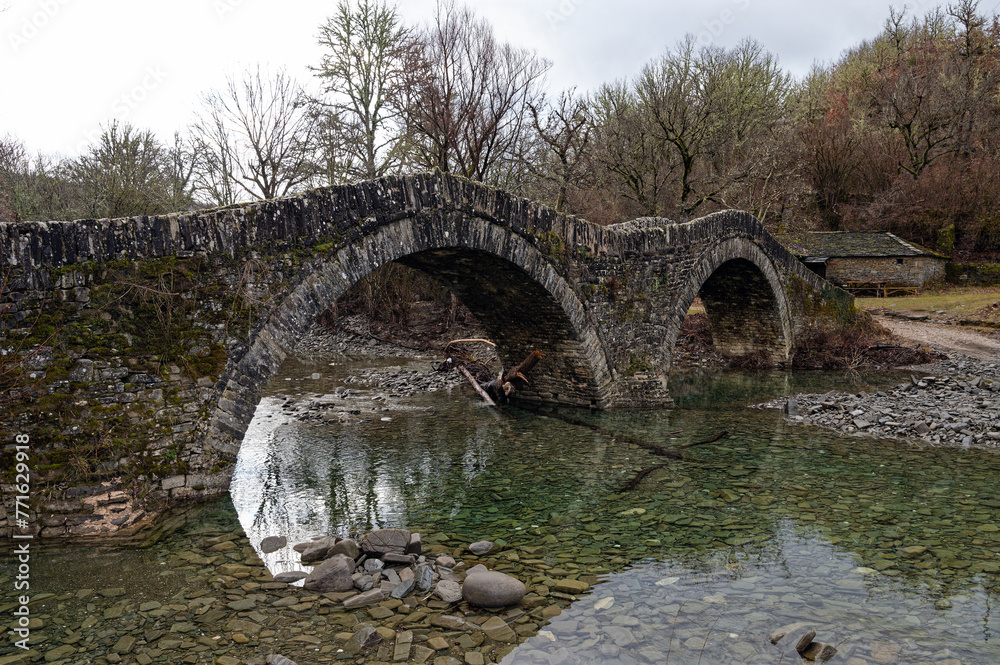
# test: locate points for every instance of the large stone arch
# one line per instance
(745, 300)
(511, 286)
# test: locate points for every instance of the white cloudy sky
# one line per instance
(67, 66)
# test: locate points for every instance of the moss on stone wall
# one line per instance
(979, 274)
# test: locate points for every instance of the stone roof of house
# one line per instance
(818, 244)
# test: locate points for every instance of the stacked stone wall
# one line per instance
(902, 271)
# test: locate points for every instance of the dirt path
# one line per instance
(945, 337)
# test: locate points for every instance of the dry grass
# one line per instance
(947, 302)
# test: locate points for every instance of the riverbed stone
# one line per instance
(571, 586)
(819, 651)
(382, 541)
(424, 577)
(334, 574)
(372, 597)
(317, 551)
(291, 576)
(403, 589)
(347, 547)
(365, 636)
(448, 591)
(493, 589)
(481, 547)
(498, 630)
(398, 559)
(415, 547)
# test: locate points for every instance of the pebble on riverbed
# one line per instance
(956, 406)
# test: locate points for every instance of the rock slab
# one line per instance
(331, 575)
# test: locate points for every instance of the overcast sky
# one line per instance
(69, 66)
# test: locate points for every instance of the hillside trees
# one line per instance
(698, 126)
(926, 129)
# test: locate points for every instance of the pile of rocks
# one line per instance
(801, 638)
(388, 563)
(956, 406)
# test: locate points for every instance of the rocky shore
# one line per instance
(954, 402)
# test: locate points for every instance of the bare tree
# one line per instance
(712, 108)
(363, 70)
(470, 95)
(256, 136)
(564, 128)
(629, 149)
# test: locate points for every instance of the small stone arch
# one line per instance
(744, 298)
(505, 277)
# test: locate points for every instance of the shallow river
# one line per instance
(889, 551)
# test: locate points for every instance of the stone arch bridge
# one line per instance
(159, 333)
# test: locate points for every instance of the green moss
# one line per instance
(979, 274)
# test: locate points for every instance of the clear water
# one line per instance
(890, 551)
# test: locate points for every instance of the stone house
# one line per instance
(845, 257)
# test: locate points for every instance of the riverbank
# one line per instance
(952, 402)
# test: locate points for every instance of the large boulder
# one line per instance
(317, 550)
(382, 541)
(347, 547)
(493, 589)
(334, 574)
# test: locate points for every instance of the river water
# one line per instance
(889, 551)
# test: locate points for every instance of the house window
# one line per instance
(899, 262)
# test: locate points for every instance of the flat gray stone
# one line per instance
(404, 588)
(332, 575)
(272, 544)
(381, 541)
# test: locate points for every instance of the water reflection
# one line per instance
(880, 543)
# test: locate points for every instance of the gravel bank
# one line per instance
(954, 402)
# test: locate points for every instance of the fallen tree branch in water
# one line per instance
(479, 389)
(652, 447)
(632, 484)
(721, 435)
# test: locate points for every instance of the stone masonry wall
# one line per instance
(904, 271)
